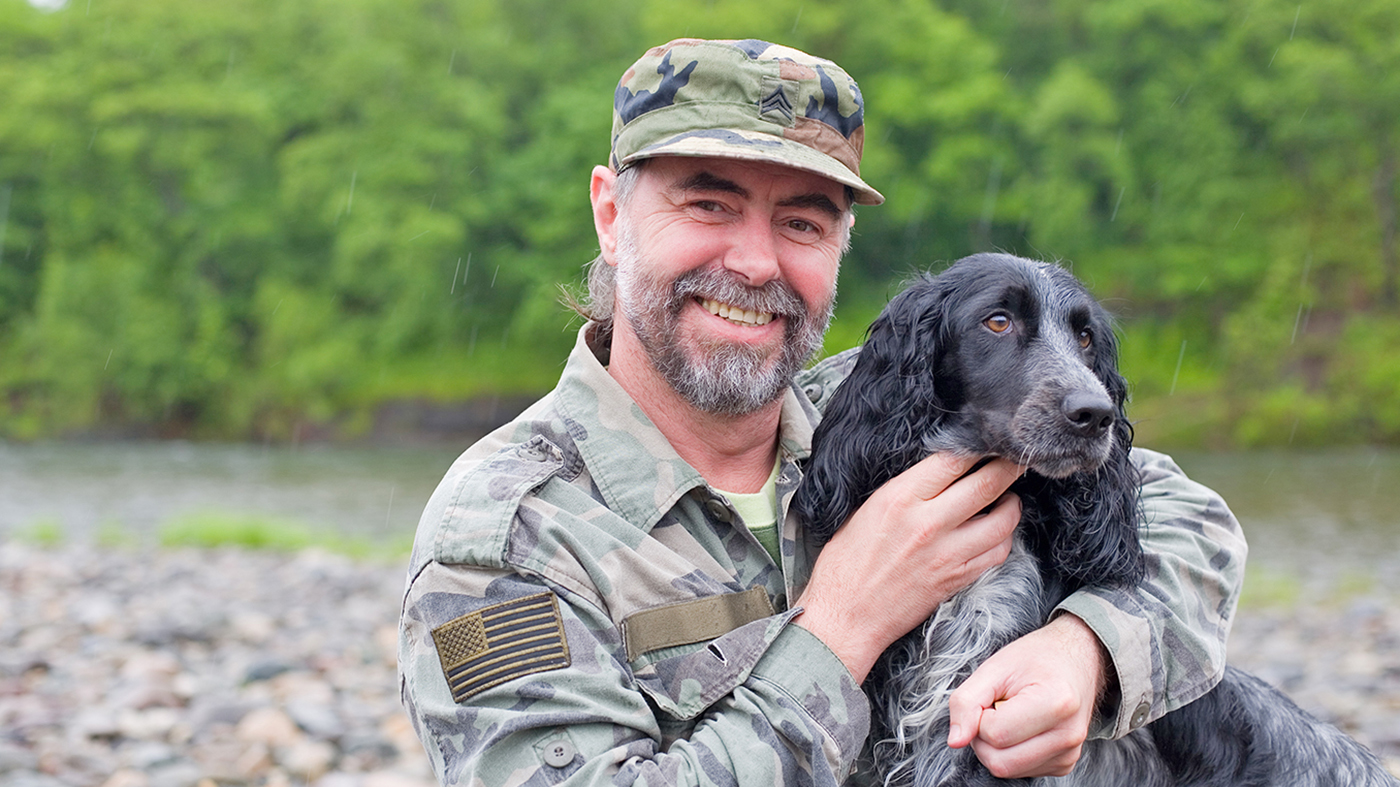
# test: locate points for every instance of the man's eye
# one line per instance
(804, 230)
(998, 323)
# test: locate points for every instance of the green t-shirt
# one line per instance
(759, 510)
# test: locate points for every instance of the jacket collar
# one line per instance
(634, 467)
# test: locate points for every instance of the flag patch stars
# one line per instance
(502, 642)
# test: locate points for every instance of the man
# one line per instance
(608, 589)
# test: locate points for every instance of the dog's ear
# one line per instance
(874, 425)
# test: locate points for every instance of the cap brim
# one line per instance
(747, 146)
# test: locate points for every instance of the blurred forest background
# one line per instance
(264, 219)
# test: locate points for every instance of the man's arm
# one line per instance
(767, 703)
(920, 538)
(517, 666)
(786, 711)
(1154, 647)
(1167, 636)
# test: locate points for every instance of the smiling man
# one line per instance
(610, 590)
(769, 301)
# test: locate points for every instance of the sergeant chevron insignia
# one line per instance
(501, 642)
(776, 103)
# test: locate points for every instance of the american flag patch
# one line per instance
(502, 642)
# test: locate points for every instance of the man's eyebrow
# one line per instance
(820, 202)
(707, 181)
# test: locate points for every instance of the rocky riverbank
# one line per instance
(178, 668)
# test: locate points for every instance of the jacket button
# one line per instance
(558, 753)
(1139, 717)
(719, 510)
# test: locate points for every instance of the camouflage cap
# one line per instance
(748, 100)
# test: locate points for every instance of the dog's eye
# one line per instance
(1086, 338)
(998, 323)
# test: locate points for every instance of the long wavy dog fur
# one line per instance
(1002, 356)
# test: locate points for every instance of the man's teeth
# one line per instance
(735, 314)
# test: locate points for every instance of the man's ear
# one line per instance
(605, 210)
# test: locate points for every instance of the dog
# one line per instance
(1004, 356)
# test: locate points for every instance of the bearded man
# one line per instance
(610, 590)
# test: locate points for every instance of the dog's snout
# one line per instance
(1088, 412)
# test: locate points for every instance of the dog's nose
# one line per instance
(1089, 412)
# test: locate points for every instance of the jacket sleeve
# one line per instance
(1167, 636)
(764, 704)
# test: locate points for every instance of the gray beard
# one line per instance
(725, 379)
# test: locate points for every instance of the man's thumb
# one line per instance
(965, 713)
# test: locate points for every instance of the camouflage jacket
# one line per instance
(582, 606)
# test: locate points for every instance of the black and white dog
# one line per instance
(1002, 356)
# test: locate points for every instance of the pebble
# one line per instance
(1337, 658)
(196, 668)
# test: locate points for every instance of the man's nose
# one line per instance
(753, 252)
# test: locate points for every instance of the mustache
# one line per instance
(775, 297)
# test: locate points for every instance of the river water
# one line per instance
(138, 487)
(1321, 514)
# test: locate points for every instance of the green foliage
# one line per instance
(218, 529)
(1279, 590)
(215, 529)
(252, 218)
(45, 533)
(1270, 589)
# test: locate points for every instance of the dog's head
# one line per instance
(1025, 365)
(997, 356)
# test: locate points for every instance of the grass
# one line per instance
(1266, 588)
(44, 533)
(214, 529)
(219, 530)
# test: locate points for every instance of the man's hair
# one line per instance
(597, 304)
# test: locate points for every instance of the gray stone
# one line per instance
(257, 668)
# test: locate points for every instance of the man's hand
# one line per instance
(919, 539)
(1026, 710)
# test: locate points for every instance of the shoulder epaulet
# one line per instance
(474, 514)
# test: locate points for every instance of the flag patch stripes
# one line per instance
(501, 642)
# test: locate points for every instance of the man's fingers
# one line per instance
(966, 707)
(963, 494)
(989, 481)
(1015, 720)
(1031, 721)
(933, 474)
(1036, 757)
(1016, 737)
(990, 534)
